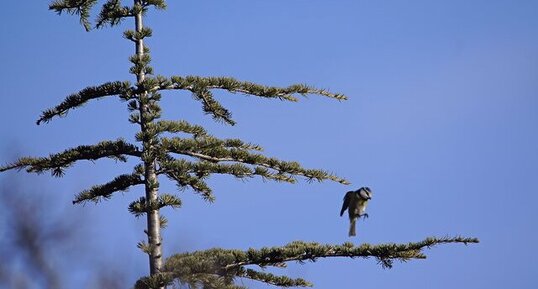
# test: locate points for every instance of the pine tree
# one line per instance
(189, 161)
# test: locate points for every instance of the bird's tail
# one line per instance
(352, 227)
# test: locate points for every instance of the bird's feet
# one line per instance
(364, 216)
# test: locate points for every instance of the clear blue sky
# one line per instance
(442, 124)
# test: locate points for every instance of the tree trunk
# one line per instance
(151, 183)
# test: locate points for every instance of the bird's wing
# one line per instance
(347, 199)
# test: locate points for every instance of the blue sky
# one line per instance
(441, 124)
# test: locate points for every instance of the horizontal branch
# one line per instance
(57, 163)
(230, 264)
(215, 150)
(191, 174)
(105, 191)
(179, 126)
(208, 144)
(238, 170)
(78, 99)
(235, 86)
(201, 89)
(154, 129)
(301, 251)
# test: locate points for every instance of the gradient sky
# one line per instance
(442, 124)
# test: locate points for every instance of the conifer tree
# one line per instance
(188, 158)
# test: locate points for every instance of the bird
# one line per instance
(355, 202)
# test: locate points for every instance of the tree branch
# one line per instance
(180, 171)
(179, 126)
(142, 206)
(75, 7)
(235, 86)
(57, 163)
(105, 191)
(230, 264)
(113, 13)
(211, 106)
(201, 88)
(281, 281)
(213, 150)
(301, 251)
(154, 129)
(191, 174)
(77, 99)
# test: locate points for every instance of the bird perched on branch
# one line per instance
(355, 202)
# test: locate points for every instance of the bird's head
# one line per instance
(365, 193)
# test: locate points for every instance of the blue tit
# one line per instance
(355, 202)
